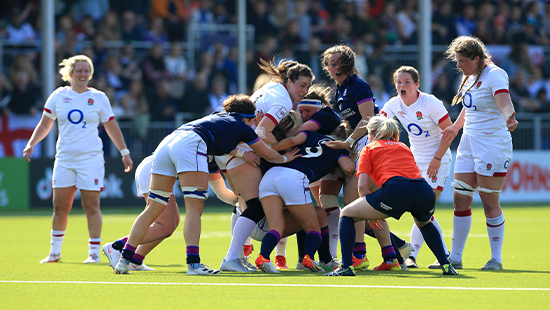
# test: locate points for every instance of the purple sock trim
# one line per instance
(192, 250)
(276, 234)
(315, 233)
(359, 246)
(127, 246)
(324, 230)
(124, 239)
(139, 258)
(387, 250)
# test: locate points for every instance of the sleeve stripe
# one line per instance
(111, 118)
(271, 117)
(49, 114)
(48, 110)
(443, 118)
(364, 100)
(501, 91)
(316, 122)
(255, 140)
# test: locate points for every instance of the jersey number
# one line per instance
(417, 130)
(76, 119)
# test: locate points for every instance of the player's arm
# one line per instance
(504, 103)
(290, 142)
(112, 129)
(271, 155)
(347, 165)
(363, 184)
(367, 111)
(217, 184)
(39, 133)
(450, 132)
(309, 125)
(435, 162)
(265, 129)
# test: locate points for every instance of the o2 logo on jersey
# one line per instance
(417, 130)
(315, 151)
(506, 163)
(90, 101)
(467, 101)
(76, 119)
(419, 115)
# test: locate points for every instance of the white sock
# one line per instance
(462, 222)
(333, 218)
(248, 241)
(417, 240)
(57, 241)
(280, 249)
(242, 230)
(94, 244)
(495, 230)
(234, 218)
(436, 224)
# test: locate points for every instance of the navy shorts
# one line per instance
(399, 195)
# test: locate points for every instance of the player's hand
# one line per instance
(338, 145)
(258, 117)
(512, 122)
(27, 152)
(291, 155)
(252, 158)
(433, 168)
(449, 134)
(128, 163)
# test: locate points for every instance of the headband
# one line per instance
(247, 115)
(311, 103)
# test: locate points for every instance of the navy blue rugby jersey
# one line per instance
(353, 92)
(317, 159)
(327, 120)
(222, 131)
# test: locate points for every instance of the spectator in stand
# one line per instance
(520, 94)
(109, 27)
(224, 66)
(64, 25)
(515, 21)
(217, 93)
(287, 53)
(19, 30)
(203, 14)
(532, 33)
(113, 72)
(136, 108)
(378, 91)
(300, 14)
(466, 23)
(23, 62)
(156, 32)
(407, 18)
(140, 9)
(291, 33)
(500, 35)
(86, 29)
(177, 66)
(130, 66)
(23, 98)
(546, 18)
(278, 15)
(196, 96)
(443, 90)
(5, 92)
(516, 60)
(131, 30)
(484, 31)
(388, 22)
(221, 16)
(312, 58)
(163, 106)
(258, 17)
(319, 18)
(536, 81)
(95, 8)
(443, 24)
(340, 31)
(171, 11)
(154, 68)
(100, 51)
(359, 19)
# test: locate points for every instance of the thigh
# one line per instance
(291, 185)
(360, 210)
(89, 176)
(274, 212)
(143, 176)
(90, 199)
(63, 197)
(306, 216)
(246, 179)
(492, 155)
(464, 156)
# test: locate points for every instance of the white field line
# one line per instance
(291, 285)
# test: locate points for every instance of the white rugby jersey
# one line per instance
(421, 120)
(482, 114)
(78, 116)
(273, 100)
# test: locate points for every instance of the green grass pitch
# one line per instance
(26, 284)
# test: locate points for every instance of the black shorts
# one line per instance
(399, 195)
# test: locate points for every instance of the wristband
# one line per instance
(284, 159)
(350, 141)
(240, 153)
(437, 158)
(124, 152)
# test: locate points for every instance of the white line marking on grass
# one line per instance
(293, 285)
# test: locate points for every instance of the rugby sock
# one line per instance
(269, 242)
(416, 240)
(436, 224)
(462, 222)
(324, 249)
(137, 259)
(495, 230)
(94, 244)
(359, 250)
(248, 241)
(313, 240)
(433, 240)
(346, 230)
(333, 217)
(192, 254)
(234, 218)
(396, 248)
(388, 254)
(120, 243)
(242, 230)
(301, 242)
(128, 251)
(57, 241)
(280, 249)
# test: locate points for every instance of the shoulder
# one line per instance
(96, 91)
(430, 99)
(494, 71)
(394, 101)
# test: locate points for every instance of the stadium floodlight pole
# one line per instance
(48, 65)
(425, 46)
(242, 46)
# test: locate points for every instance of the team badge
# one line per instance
(90, 101)
(434, 179)
(96, 181)
(418, 115)
(478, 85)
(489, 167)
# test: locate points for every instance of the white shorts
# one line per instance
(260, 230)
(180, 152)
(143, 175)
(226, 162)
(487, 156)
(289, 184)
(442, 174)
(84, 175)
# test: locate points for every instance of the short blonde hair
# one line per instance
(67, 67)
(383, 128)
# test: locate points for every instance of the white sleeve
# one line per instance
(105, 110)
(49, 107)
(437, 109)
(498, 81)
(387, 109)
(280, 108)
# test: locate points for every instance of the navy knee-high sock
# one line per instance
(324, 248)
(269, 242)
(396, 249)
(346, 229)
(313, 240)
(433, 240)
(301, 242)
